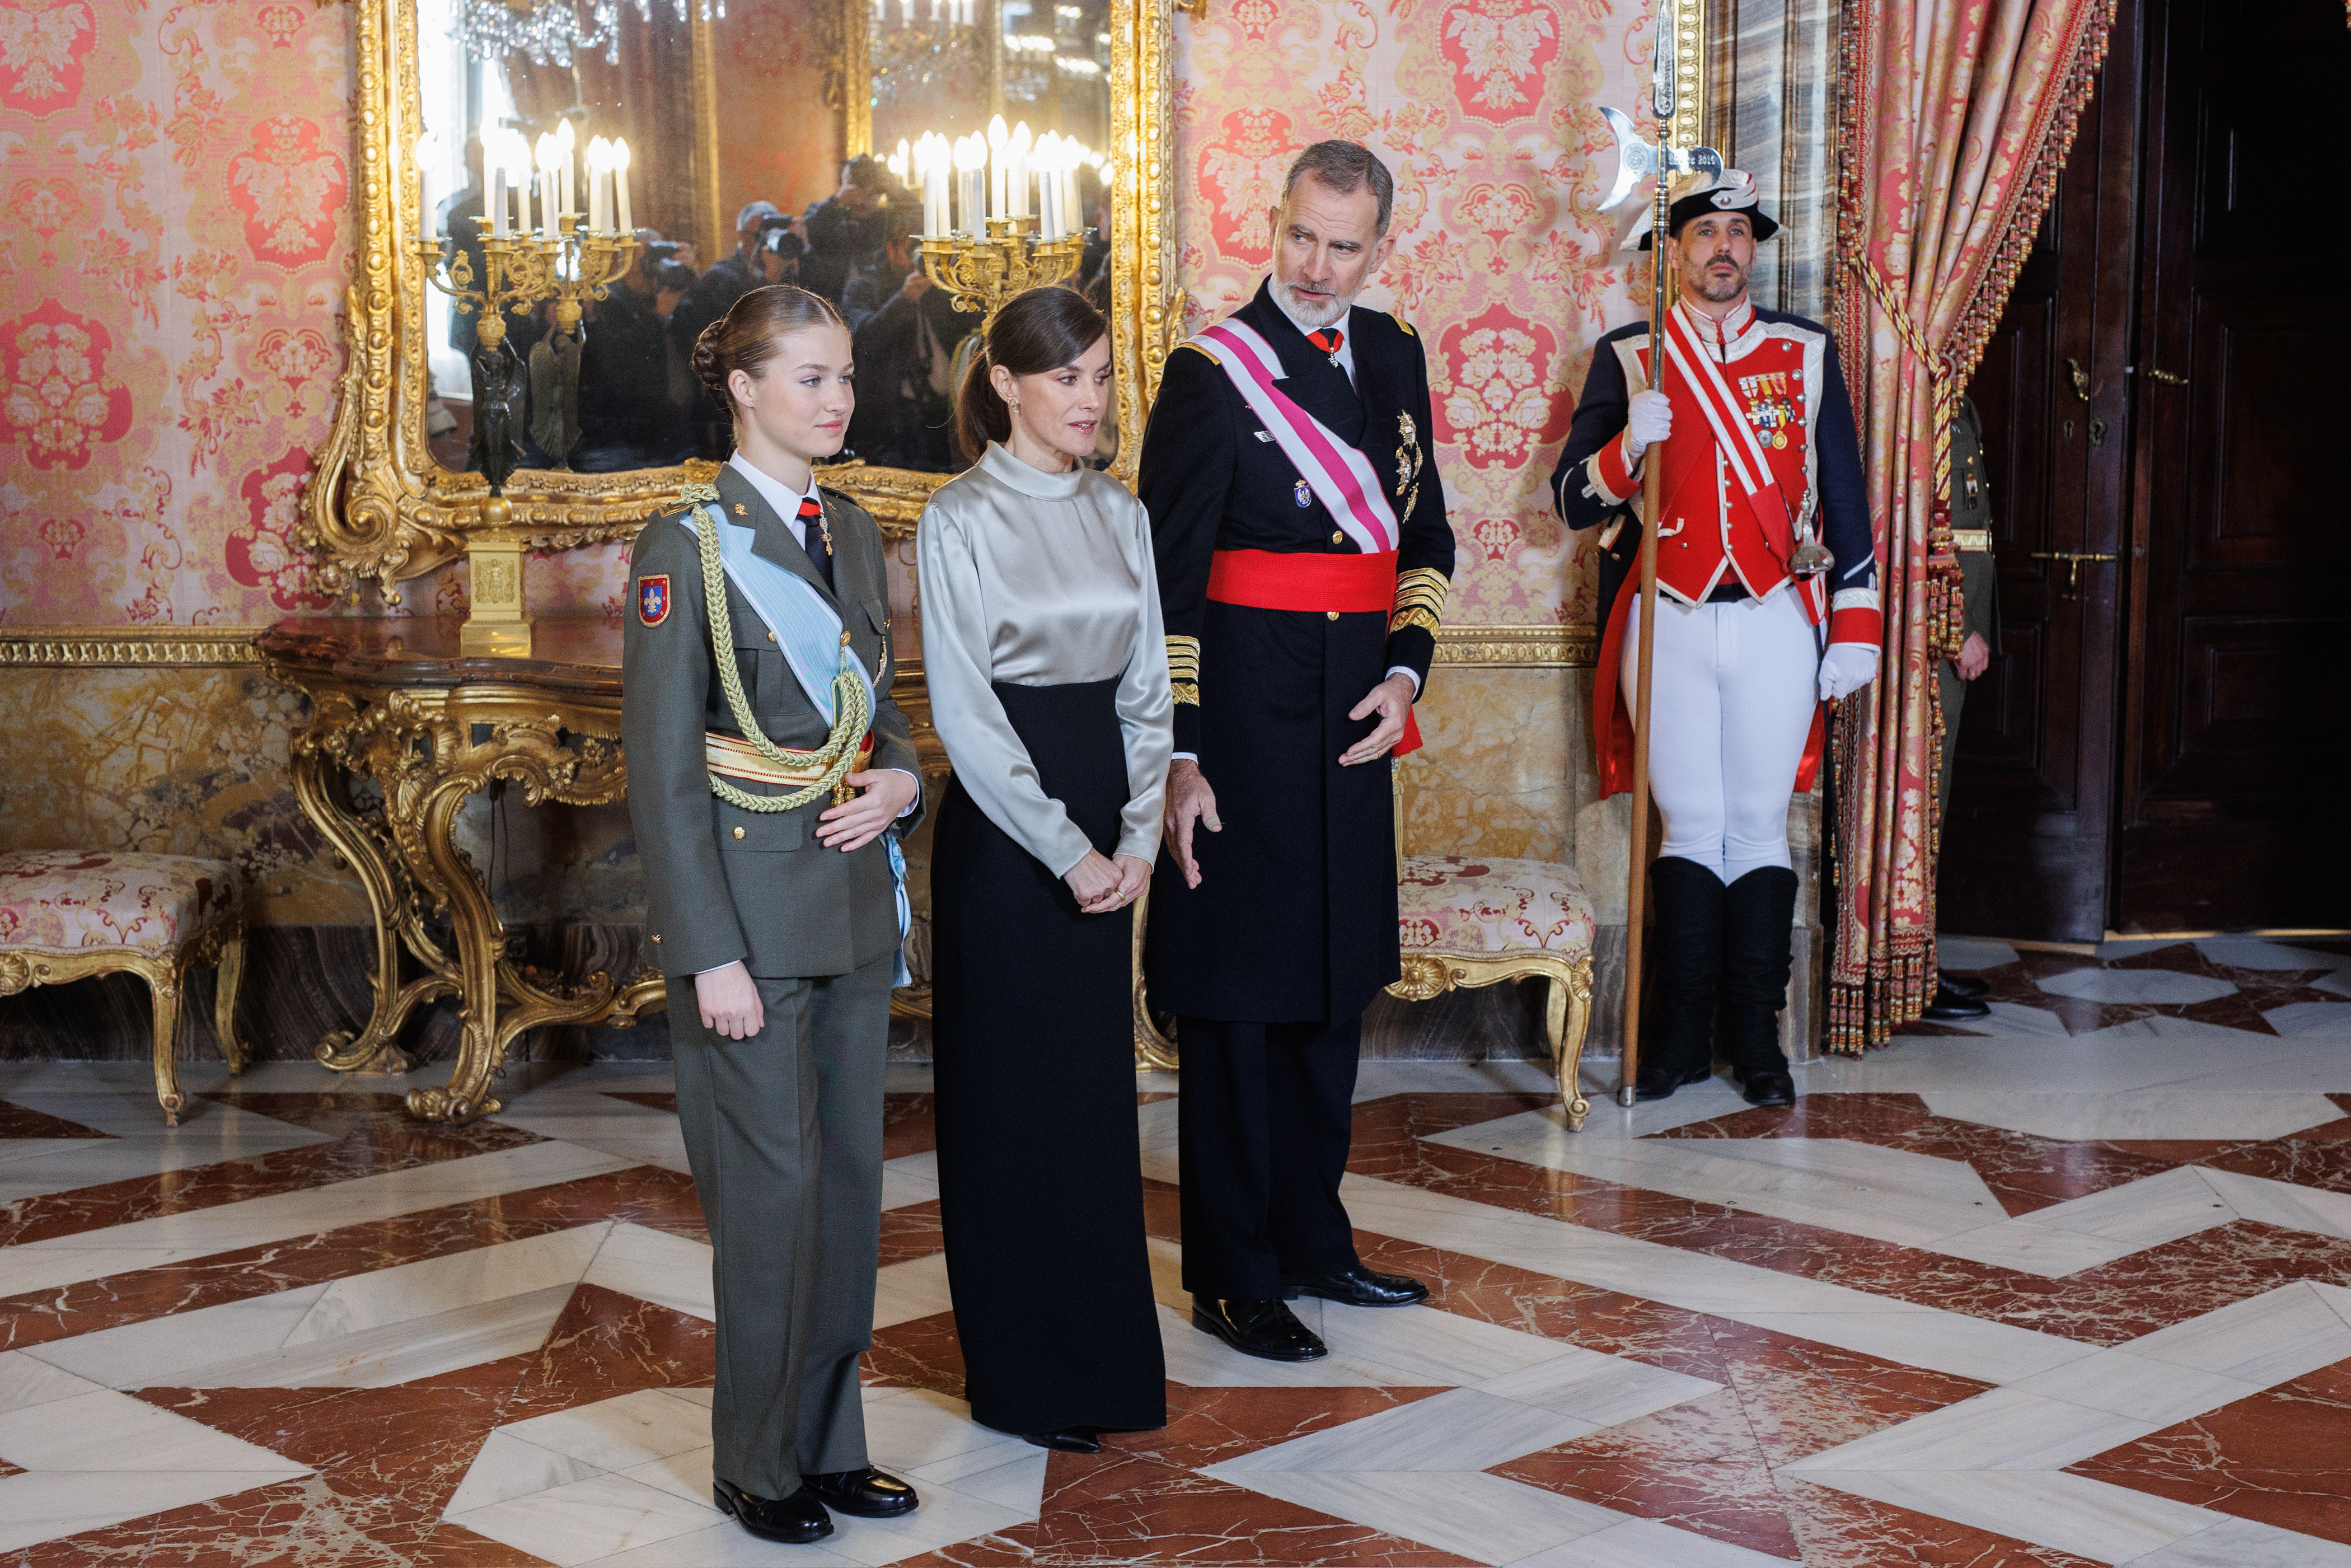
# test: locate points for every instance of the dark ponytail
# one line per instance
(748, 336)
(1038, 329)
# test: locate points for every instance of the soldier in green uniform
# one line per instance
(1959, 997)
(769, 781)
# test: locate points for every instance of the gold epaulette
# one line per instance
(1400, 321)
(1184, 669)
(1419, 600)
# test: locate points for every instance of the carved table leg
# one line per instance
(424, 815)
(323, 788)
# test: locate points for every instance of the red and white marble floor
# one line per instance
(2071, 1289)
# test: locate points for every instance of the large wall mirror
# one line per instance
(765, 141)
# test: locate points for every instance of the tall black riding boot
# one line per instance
(1686, 952)
(1758, 912)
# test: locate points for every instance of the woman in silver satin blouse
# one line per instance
(1048, 676)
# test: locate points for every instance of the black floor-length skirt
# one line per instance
(1041, 1183)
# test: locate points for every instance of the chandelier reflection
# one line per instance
(548, 32)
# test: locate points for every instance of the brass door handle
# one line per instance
(2081, 377)
(2073, 559)
(2167, 378)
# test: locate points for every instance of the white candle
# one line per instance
(971, 160)
(997, 155)
(1016, 191)
(935, 176)
(621, 183)
(428, 158)
(565, 143)
(599, 154)
(497, 172)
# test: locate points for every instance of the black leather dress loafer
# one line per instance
(1356, 1287)
(795, 1520)
(1769, 1086)
(864, 1494)
(1951, 1005)
(1652, 1083)
(1975, 988)
(1068, 1439)
(1267, 1329)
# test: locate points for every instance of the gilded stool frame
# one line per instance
(220, 945)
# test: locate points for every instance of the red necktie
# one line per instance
(812, 539)
(1328, 339)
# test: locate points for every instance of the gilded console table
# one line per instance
(398, 703)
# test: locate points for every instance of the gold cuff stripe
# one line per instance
(1185, 692)
(1974, 541)
(1184, 659)
(1425, 588)
(1414, 617)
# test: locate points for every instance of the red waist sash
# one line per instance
(1268, 580)
(1271, 579)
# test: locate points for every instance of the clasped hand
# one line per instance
(887, 794)
(1102, 884)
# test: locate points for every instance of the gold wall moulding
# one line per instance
(1519, 647)
(379, 506)
(100, 647)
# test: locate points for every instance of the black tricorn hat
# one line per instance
(1732, 191)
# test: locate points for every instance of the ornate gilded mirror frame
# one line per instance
(380, 506)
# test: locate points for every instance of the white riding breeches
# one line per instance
(1730, 708)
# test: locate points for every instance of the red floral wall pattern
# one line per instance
(174, 241)
(1487, 111)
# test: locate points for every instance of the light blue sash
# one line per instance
(808, 631)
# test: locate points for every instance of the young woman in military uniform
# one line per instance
(769, 775)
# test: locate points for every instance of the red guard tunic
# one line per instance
(1782, 375)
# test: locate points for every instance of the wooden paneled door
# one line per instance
(2235, 802)
(2028, 848)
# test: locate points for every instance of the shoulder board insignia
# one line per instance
(653, 599)
(1398, 316)
(1201, 352)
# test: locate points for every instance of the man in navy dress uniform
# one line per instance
(1305, 559)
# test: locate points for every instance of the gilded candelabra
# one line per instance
(518, 271)
(983, 272)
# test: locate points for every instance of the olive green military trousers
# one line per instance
(783, 1132)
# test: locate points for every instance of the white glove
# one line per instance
(1651, 421)
(1846, 668)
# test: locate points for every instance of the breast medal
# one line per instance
(1304, 495)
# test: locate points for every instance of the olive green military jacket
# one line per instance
(724, 883)
(1972, 521)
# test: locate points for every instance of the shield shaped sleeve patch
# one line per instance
(653, 599)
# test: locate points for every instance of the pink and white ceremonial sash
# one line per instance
(1733, 436)
(1342, 477)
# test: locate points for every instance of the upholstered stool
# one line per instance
(66, 915)
(1471, 921)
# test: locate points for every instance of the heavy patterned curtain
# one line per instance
(1956, 120)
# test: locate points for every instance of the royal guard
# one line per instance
(1305, 559)
(1767, 609)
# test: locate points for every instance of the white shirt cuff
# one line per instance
(1185, 757)
(1405, 671)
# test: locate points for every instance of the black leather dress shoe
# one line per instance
(864, 1494)
(1068, 1439)
(1653, 1083)
(795, 1520)
(1356, 1287)
(1769, 1086)
(1951, 1005)
(1972, 986)
(1267, 1329)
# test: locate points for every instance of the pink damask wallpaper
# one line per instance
(174, 180)
(1487, 110)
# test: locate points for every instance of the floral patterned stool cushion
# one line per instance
(1464, 920)
(68, 914)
